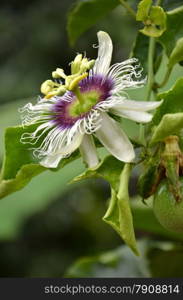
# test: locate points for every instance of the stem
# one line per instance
(150, 75)
(150, 83)
(128, 8)
(152, 44)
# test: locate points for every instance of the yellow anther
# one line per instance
(47, 86)
(91, 63)
(59, 73)
(81, 65)
(84, 61)
(75, 65)
(50, 88)
(78, 72)
(78, 58)
(86, 64)
(74, 82)
(56, 92)
(61, 90)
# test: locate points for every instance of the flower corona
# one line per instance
(70, 112)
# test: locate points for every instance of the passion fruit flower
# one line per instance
(70, 113)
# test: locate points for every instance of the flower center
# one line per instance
(83, 103)
(77, 104)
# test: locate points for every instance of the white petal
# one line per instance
(115, 140)
(51, 161)
(137, 105)
(88, 151)
(137, 116)
(104, 53)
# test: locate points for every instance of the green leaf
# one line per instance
(110, 174)
(85, 14)
(118, 214)
(22, 178)
(177, 54)
(174, 30)
(16, 153)
(19, 165)
(172, 101)
(170, 124)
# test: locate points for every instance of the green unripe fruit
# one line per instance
(168, 211)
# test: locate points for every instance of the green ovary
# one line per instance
(81, 106)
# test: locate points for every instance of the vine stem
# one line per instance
(128, 8)
(150, 82)
(150, 79)
(152, 44)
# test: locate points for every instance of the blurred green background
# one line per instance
(48, 225)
